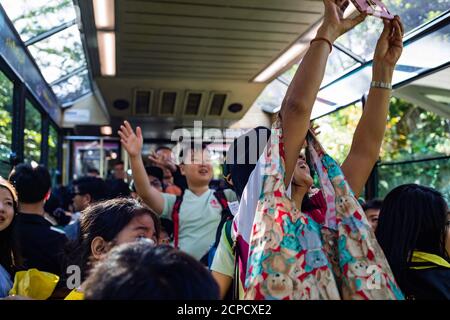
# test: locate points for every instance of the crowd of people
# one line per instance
(272, 234)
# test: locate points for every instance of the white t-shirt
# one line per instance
(223, 261)
(199, 218)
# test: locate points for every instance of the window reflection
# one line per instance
(60, 54)
(52, 148)
(32, 18)
(6, 106)
(73, 88)
(32, 133)
(363, 38)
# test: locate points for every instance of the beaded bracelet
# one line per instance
(323, 39)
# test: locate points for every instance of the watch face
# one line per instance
(373, 7)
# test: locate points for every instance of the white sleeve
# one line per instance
(249, 200)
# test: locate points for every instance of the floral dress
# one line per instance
(293, 257)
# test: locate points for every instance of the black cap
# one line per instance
(155, 172)
(243, 155)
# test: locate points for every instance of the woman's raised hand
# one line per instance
(390, 44)
(334, 24)
(132, 142)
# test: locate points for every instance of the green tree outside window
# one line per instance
(6, 105)
(32, 133)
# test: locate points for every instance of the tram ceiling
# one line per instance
(194, 47)
(431, 93)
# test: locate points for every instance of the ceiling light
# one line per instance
(291, 55)
(282, 61)
(107, 52)
(104, 14)
(106, 131)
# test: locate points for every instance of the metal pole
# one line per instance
(18, 123)
(102, 159)
(45, 127)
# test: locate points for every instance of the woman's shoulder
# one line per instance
(429, 283)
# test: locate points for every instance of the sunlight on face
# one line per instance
(302, 174)
(6, 208)
(141, 226)
(199, 169)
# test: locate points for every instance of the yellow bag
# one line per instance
(34, 284)
(75, 295)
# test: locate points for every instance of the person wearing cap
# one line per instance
(155, 177)
(85, 191)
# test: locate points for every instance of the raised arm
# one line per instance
(132, 142)
(301, 94)
(369, 133)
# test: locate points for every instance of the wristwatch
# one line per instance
(381, 85)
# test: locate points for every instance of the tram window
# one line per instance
(415, 149)
(88, 155)
(339, 126)
(52, 149)
(6, 103)
(33, 133)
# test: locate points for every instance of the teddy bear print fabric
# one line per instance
(293, 257)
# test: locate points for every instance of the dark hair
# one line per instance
(6, 247)
(140, 271)
(163, 148)
(167, 226)
(240, 163)
(374, 204)
(95, 187)
(105, 219)
(60, 198)
(412, 217)
(93, 170)
(32, 183)
(187, 148)
(120, 162)
(118, 189)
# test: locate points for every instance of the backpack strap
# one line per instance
(228, 226)
(236, 278)
(220, 195)
(176, 220)
(225, 214)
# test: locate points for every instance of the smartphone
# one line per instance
(374, 8)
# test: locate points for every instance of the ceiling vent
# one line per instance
(193, 103)
(216, 104)
(142, 102)
(167, 103)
